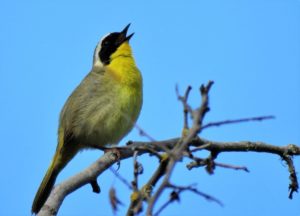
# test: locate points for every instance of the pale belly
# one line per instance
(100, 112)
(109, 126)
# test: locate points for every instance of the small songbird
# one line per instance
(100, 111)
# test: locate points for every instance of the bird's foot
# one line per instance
(116, 152)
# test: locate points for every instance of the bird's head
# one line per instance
(112, 45)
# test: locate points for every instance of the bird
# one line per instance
(101, 110)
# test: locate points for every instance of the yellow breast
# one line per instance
(123, 83)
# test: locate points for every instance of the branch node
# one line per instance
(95, 186)
(186, 108)
(293, 186)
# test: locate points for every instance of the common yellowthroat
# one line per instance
(100, 111)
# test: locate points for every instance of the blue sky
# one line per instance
(251, 49)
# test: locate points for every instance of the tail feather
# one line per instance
(60, 160)
(45, 188)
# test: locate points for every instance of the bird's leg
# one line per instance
(113, 150)
(116, 152)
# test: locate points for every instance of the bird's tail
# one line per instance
(45, 187)
(60, 160)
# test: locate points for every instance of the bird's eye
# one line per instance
(105, 43)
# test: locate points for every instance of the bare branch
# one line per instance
(293, 187)
(136, 172)
(199, 162)
(182, 144)
(95, 186)
(62, 190)
(186, 107)
(122, 179)
(142, 132)
(173, 152)
(173, 197)
(177, 190)
(234, 167)
(196, 164)
(145, 192)
(196, 191)
(220, 123)
(114, 201)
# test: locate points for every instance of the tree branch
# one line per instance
(93, 171)
(173, 151)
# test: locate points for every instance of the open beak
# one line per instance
(123, 34)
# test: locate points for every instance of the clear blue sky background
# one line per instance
(250, 48)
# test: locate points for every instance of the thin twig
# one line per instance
(235, 121)
(200, 148)
(174, 196)
(142, 132)
(122, 179)
(159, 172)
(114, 200)
(181, 146)
(136, 171)
(196, 191)
(293, 186)
(230, 166)
(199, 162)
(136, 198)
(186, 107)
(177, 190)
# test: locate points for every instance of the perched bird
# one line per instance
(100, 111)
